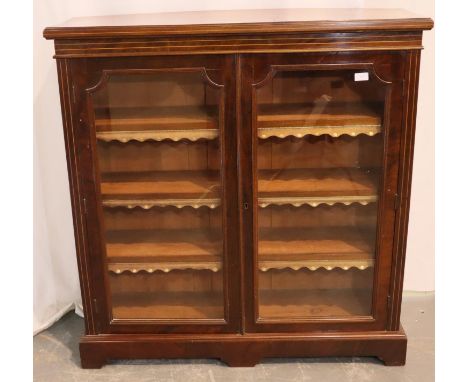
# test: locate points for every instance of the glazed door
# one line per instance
(320, 170)
(161, 136)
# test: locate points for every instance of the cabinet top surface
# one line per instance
(252, 21)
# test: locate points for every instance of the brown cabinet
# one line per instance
(240, 181)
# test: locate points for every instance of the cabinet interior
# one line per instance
(318, 165)
(318, 169)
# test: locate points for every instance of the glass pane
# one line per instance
(159, 162)
(319, 159)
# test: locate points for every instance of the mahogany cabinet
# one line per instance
(240, 181)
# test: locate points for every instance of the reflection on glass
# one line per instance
(319, 168)
(158, 150)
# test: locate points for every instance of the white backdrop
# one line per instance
(56, 286)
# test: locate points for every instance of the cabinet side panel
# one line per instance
(404, 187)
(67, 105)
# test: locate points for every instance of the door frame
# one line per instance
(87, 75)
(388, 68)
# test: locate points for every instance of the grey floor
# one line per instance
(56, 358)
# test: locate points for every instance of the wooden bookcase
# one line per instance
(240, 181)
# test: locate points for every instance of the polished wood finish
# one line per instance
(245, 350)
(255, 21)
(214, 32)
(264, 242)
(269, 43)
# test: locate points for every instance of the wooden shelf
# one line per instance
(287, 303)
(312, 248)
(201, 188)
(163, 250)
(192, 123)
(273, 304)
(317, 186)
(142, 124)
(299, 120)
(279, 248)
(161, 188)
(167, 305)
